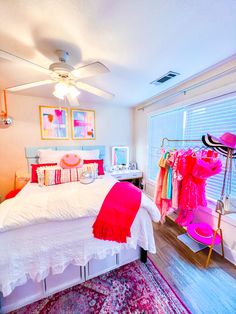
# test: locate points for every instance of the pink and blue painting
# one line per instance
(54, 123)
(83, 124)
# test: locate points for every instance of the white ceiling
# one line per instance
(138, 40)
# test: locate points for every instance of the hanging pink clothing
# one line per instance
(185, 190)
(176, 181)
(188, 194)
(203, 170)
(195, 171)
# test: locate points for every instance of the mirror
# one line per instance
(120, 156)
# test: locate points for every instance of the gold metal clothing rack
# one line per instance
(218, 229)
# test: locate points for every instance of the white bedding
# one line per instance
(33, 243)
(59, 203)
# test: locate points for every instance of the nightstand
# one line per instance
(22, 177)
(135, 176)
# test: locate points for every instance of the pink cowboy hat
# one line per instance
(221, 144)
(227, 140)
(203, 233)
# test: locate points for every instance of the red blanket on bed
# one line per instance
(117, 213)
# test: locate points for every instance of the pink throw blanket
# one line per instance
(117, 213)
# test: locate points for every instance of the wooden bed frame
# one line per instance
(72, 275)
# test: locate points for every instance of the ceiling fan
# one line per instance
(65, 76)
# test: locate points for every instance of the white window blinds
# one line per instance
(191, 123)
(169, 125)
(215, 119)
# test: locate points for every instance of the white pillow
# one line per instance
(40, 173)
(52, 156)
(89, 154)
(42, 153)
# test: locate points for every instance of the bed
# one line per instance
(49, 254)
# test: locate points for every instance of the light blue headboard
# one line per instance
(31, 153)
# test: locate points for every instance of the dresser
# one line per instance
(134, 176)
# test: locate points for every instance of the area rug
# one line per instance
(134, 288)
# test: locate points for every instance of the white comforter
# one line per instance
(60, 203)
(41, 226)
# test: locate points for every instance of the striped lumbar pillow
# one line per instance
(59, 176)
(41, 173)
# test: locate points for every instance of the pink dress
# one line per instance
(188, 194)
(176, 181)
(195, 171)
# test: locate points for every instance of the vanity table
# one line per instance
(135, 176)
(121, 167)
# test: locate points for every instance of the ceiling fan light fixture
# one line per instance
(58, 95)
(62, 88)
(73, 91)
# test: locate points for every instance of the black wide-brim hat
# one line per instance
(213, 143)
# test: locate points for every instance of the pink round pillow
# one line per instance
(71, 160)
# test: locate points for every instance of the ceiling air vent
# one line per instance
(165, 78)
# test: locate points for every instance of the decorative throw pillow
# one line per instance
(71, 160)
(41, 173)
(59, 176)
(34, 167)
(92, 168)
(100, 165)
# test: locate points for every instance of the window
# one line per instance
(191, 123)
(169, 125)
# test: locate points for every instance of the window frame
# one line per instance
(210, 102)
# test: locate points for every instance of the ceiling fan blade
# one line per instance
(9, 56)
(94, 90)
(29, 85)
(89, 70)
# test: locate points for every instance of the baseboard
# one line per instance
(230, 254)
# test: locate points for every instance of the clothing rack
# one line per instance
(172, 140)
(218, 229)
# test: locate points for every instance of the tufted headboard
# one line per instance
(31, 153)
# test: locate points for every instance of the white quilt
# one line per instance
(59, 203)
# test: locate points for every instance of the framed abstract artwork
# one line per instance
(83, 124)
(53, 123)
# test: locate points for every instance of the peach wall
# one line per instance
(113, 127)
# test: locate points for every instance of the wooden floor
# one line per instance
(211, 290)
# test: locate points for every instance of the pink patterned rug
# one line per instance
(133, 288)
